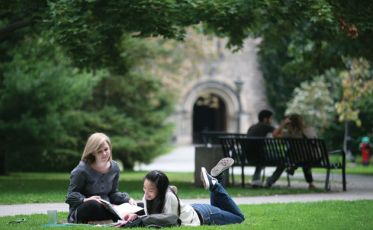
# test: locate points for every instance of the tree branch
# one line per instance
(10, 29)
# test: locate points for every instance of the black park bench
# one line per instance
(212, 138)
(289, 153)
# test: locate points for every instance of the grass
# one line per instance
(357, 168)
(352, 168)
(52, 187)
(362, 170)
(316, 215)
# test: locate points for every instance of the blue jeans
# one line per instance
(222, 210)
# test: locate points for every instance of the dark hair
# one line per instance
(264, 114)
(296, 125)
(161, 182)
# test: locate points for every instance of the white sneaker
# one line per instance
(221, 166)
(207, 180)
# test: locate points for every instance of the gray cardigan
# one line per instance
(86, 182)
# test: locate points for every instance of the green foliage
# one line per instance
(314, 102)
(365, 106)
(39, 89)
(48, 123)
(91, 31)
(133, 138)
(302, 40)
(292, 51)
(356, 83)
(354, 19)
(132, 107)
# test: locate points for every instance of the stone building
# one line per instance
(226, 96)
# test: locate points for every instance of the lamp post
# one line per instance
(347, 142)
(239, 85)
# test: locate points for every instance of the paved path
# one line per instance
(181, 159)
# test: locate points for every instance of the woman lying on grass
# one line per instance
(160, 198)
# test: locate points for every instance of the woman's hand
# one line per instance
(96, 198)
(132, 201)
(130, 217)
(278, 131)
(285, 122)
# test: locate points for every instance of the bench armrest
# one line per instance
(336, 151)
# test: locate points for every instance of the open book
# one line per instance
(122, 209)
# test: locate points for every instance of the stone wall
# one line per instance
(217, 75)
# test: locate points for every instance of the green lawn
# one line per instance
(52, 187)
(352, 168)
(316, 215)
(359, 169)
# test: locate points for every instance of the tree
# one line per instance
(92, 30)
(96, 35)
(293, 51)
(300, 39)
(357, 82)
(313, 100)
(131, 108)
(304, 39)
(354, 19)
(39, 90)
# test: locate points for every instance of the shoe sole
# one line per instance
(221, 166)
(204, 178)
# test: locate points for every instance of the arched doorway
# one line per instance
(209, 114)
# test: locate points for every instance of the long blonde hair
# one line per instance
(94, 143)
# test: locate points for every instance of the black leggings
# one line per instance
(93, 211)
(279, 170)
